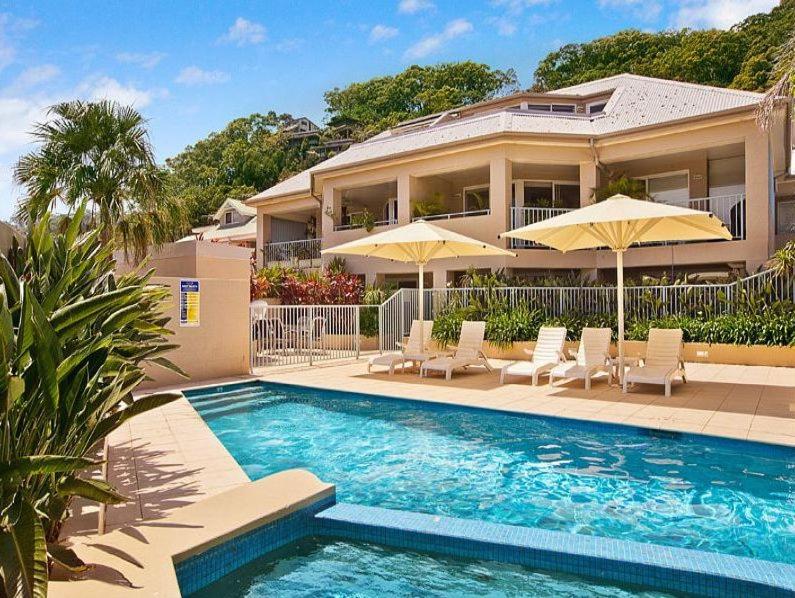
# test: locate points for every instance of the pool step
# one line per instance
(201, 393)
(232, 408)
(240, 392)
(224, 399)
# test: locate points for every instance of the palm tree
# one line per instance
(784, 69)
(100, 152)
(621, 185)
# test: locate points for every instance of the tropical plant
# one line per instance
(100, 153)
(621, 185)
(364, 219)
(783, 260)
(430, 206)
(336, 265)
(73, 342)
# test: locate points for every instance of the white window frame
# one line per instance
(554, 182)
(661, 175)
(596, 103)
(228, 217)
(486, 186)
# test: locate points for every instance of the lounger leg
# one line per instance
(587, 381)
(502, 376)
(668, 387)
(448, 374)
(535, 378)
(368, 368)
(624, 388)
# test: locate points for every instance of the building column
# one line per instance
(500, 192)
(263, 235)
(759, 224)
(589, 180)
(331, 210)
(404, 189)
(439, 278)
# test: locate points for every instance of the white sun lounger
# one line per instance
(468, 352)
(547, 354)
(663, 361)
(414, 351)
(592, 357)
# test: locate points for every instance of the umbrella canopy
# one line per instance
(616, 224)
(417, 243)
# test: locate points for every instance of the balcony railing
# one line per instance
(301, 253)
(729, 208)
(358, 225)
(452, 215)
(524, 216)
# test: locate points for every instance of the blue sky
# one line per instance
(191, 66)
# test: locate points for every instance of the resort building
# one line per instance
(234, 222)
(486, 168)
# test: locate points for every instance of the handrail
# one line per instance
(451, 215)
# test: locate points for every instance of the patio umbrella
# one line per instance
(418, 243)
(617, 223)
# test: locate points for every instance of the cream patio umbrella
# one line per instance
(617, 223)
(418, 243)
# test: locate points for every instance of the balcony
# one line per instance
(452, 215)
(356, 225)
(303, 253)
(729, 208)
(525, 216)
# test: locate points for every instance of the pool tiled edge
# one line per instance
(658, 567)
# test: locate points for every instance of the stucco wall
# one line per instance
(197, 259)
(219, 346)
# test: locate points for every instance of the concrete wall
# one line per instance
(219, 345)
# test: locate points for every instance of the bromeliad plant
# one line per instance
(73, 340)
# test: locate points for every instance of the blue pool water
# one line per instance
(678, 490)
(314, 568)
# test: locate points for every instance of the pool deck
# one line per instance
(168, 459)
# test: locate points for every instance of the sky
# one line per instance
(191, 66)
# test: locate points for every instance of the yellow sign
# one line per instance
(189, 302)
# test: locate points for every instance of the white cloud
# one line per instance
(432, 43)
(244, 32)
(411, 7)
(11, 27)
(146, 60)
(722, 14)
(505, 25)
(36, 75)
(516, 7)
(108, 88)
(380, 33)
(289, 45)
(193, 75)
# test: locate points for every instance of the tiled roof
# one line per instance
(244, 232)
(237, 205)
(635, 102)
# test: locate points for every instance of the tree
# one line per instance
(100, 153)
(382, 102)
(250, 154)
(74, 339)
(622, 185)
(741, 58)
(783, 73)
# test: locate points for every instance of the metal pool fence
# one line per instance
(292, 334)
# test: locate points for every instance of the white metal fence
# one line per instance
(523, 216)
(293, 334)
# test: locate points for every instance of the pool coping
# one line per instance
(658, 567)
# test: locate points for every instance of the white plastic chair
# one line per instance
(414, 351)
(592, 357)
(547, 353)
(663, 360)
(468, 352)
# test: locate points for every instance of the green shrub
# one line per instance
(368, 321)
(513, 325)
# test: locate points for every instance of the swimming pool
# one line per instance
(606, 480)
(334, 567)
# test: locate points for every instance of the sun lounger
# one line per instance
(469, 352)
(592, 357)
(547, 354)
(414, 351)
(663, 361)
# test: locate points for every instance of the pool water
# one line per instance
(313, 567)
(678, 490)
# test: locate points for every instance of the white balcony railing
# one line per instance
(358, 225)
(453, 215)
(304, 252)
(524, 216)
(729, 208)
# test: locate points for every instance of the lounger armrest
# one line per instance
(400, 345)
(529, 351)
(572, 353)
(562, 356)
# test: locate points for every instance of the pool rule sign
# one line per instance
(188, 302)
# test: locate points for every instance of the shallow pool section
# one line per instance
(332, 567)
(687, 491)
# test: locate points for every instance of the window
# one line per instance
(785, 217)
(559, 108)
(476, 199)
(228, 218)
(547, 194)
(670, 188)
(596, 108)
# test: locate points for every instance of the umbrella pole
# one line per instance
(620, 291)
(421, 297)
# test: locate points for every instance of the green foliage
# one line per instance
(383, 102)
(250, 154)
(742, 57)
(73, 340)
(622, 185)
(99, 152)
(337, 265)
(364, 219)
(430, 206)
(513, 325)
(783, 260)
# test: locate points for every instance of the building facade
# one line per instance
(494, 166)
